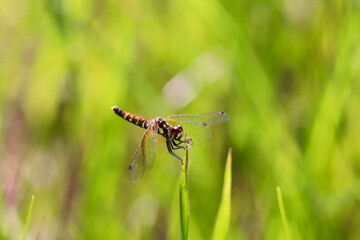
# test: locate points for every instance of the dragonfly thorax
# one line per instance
(172, 133)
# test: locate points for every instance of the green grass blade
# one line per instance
(223, 217)
(184, 197)
(28, 217)
(283, 214)
(173, 230)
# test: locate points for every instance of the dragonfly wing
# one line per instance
(144, 155)
(150, 145)
(137, 165)
(197, 125)
(203, 118)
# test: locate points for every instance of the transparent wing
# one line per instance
(144, 155)
(197, 126)
(203, 118)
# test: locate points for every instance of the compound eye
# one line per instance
(177, 132)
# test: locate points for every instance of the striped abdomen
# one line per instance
(139, 121)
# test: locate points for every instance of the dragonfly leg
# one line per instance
(177, 145)
(170, 148)
(174, 146)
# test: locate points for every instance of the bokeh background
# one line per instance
(286, 71)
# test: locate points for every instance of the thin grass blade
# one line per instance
(173, 230)
(184, 197)
(223, 217)
(283, 214)
(28, 217)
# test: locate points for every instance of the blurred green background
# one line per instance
(287, 72)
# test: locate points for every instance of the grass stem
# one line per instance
(184, 197)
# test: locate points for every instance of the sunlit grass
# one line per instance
(283, 213)
(223, 218)
(28, 218)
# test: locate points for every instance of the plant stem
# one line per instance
(184, 197)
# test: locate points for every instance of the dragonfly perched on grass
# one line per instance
(178, 131)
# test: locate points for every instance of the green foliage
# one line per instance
(287, 73)
(223, 218)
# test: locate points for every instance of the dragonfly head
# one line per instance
(176, 132)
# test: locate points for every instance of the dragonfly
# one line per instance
(179, 132)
